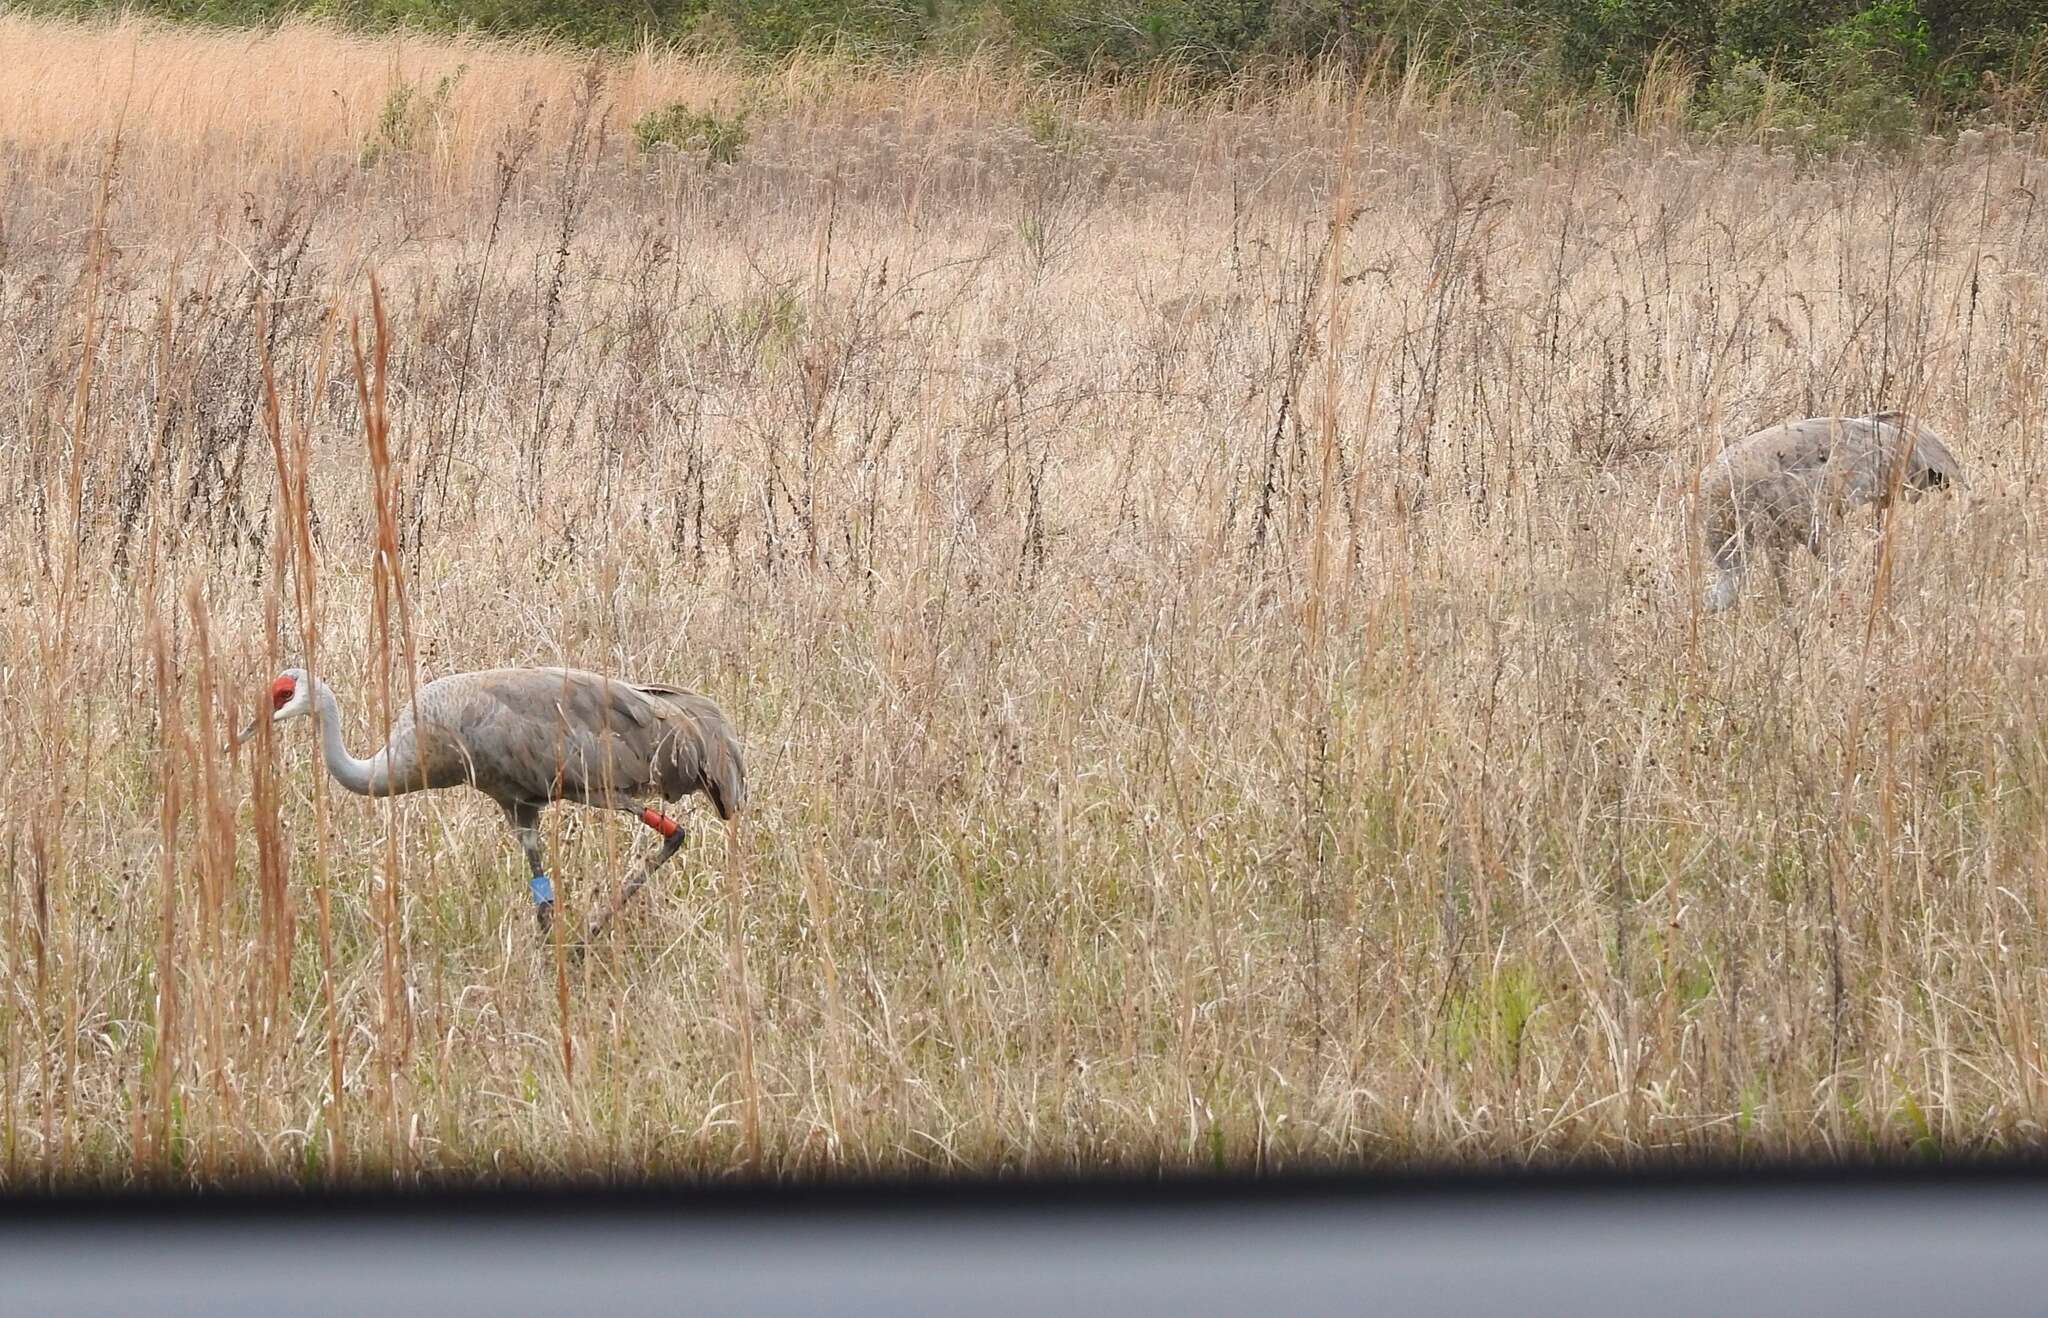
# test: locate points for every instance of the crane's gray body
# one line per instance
(529, 736)
(1785, 486)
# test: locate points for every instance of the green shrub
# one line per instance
(1055, 132)
(1745, 98)
(676, 126)
(1865, 69)
(776, 27)
(1110, 36)
(406, 116)
(1861, 78)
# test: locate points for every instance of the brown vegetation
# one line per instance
(1201, 583)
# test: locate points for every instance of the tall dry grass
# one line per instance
(1205, 586)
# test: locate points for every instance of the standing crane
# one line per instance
(1780, 488)
(527, 737)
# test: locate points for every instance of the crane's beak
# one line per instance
(247, 733)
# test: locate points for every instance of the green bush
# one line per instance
(1865, 77)
(1109, 36)
(1744, 97)
(1054, 132)
(677, 127)
(406, 115)
(1611, 42)
(776, 27)
(1865, 70)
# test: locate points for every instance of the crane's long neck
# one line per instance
(371, 777)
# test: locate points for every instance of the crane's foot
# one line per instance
(673, 837)
(543, 902)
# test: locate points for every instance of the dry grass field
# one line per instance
(1204, 581)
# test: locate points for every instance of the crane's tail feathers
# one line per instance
(721, 768)
(1931, 463)
(726, 774)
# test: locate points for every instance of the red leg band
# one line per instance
(660, 822)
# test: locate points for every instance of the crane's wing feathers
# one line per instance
(564, 733)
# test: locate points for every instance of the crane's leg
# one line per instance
(673, 835)
(1780, 565)
(525, 820)
(1728, 558)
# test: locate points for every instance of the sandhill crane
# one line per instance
(1786, 485)
(526, 737)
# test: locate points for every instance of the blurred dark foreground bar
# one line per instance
(1858, 1244)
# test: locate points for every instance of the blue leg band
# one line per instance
(543, 891)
